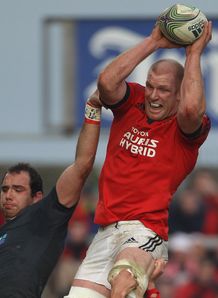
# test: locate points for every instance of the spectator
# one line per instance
(205, 184)
(187, 213)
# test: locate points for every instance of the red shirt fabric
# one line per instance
(145, 163)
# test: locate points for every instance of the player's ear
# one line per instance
(37, 197)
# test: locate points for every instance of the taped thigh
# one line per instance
(137, 272)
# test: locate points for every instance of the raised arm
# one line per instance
(111, 81)
(70, 183)
(192, 105)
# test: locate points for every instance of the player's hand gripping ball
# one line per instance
(182, 24)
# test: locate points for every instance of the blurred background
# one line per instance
(50, 55)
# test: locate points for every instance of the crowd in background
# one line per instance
(192, 270)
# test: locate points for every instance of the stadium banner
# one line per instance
(97, 42)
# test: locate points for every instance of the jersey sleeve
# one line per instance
(133, 92)
(198, 137)
(56, 213)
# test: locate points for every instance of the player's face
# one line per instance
(15, 194)
(161, 95)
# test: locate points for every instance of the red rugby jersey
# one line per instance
(145, 163)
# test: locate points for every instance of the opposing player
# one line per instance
(32, 238)
(153, 145)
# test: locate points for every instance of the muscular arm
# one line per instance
(111, 81)
(70, 183)
(193, 104)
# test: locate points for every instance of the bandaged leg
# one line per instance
(137, 272)
(80, 292)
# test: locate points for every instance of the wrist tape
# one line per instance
(152, 291)
(92, 114)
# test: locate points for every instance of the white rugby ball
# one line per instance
(182, 24)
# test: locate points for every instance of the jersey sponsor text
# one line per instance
(137, 142)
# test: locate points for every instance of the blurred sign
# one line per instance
(98, 42)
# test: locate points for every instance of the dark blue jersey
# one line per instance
(30, 246)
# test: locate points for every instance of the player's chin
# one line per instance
(9, 214)
(155, 115)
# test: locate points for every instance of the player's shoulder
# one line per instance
(136, 87)
(136, 92)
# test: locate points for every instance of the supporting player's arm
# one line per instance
(152, 291)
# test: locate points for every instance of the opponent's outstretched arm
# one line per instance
(70, 183)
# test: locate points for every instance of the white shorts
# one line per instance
(111, 240)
